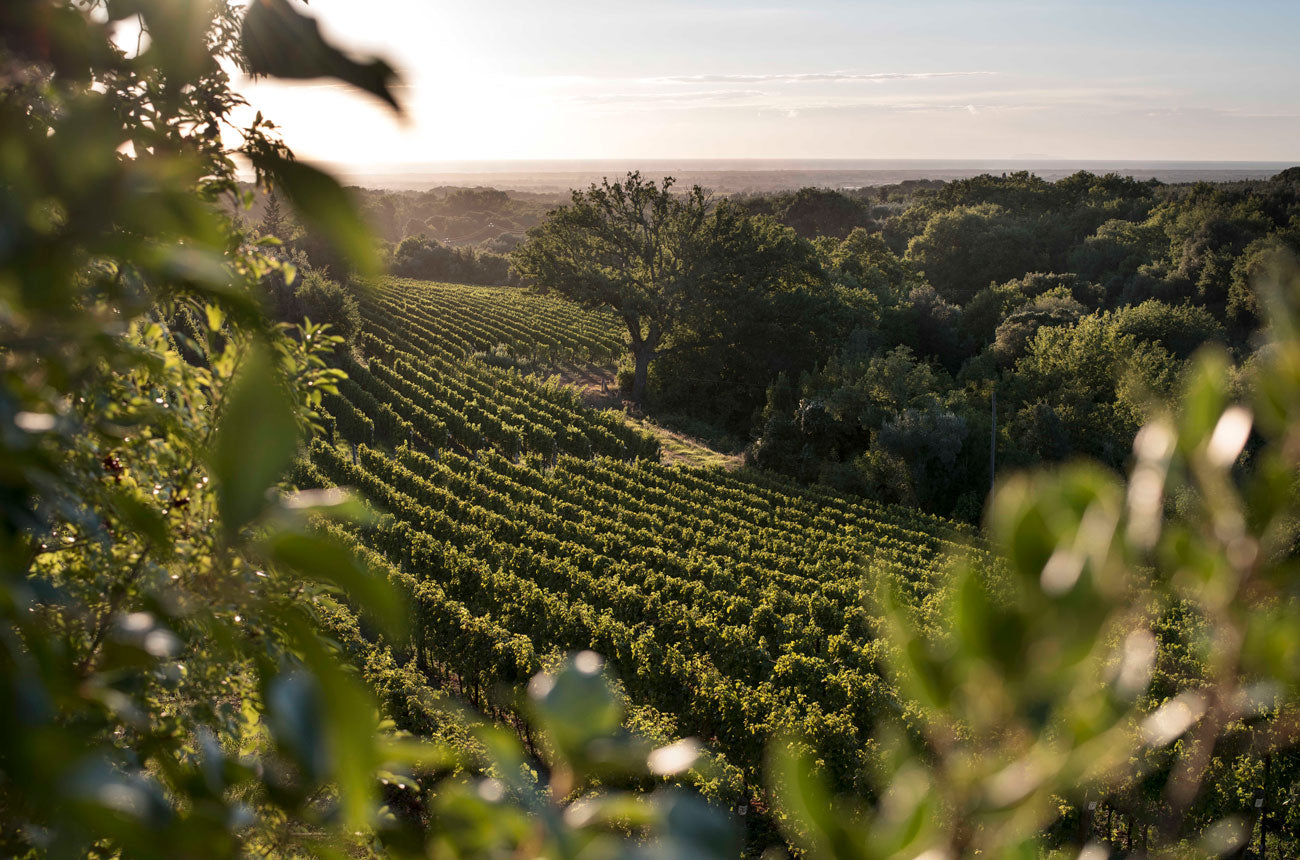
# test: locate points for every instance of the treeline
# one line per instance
(460, 235)
(430, 260)
(415, 254)
(490, 218)
(1077, 302)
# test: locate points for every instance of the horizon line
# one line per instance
(818, 160)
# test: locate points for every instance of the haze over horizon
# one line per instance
(1148, 80)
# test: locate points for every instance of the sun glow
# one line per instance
(580, 80)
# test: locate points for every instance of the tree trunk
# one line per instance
(642, 357)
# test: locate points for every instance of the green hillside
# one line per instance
(522, 525)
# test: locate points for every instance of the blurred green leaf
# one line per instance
(352, 735)
(142, 517)
(415, 752)
(348, 719)
(296, 717)
(576, 707)
(324, 559)
(612, 811)
(282, 42)
(822, 831)
(695, 831)
(989, 631)
(1018, 523)
(332, 503)
(255, 442)
(1204, 398)
(324, 206)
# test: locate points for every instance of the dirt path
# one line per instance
(599, 390)
(678, 449)
(596, 384)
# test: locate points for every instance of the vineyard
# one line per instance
(522, 525)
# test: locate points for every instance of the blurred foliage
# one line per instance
(163, 689)
(602, 795)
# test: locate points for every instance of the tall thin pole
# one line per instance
(993, 441)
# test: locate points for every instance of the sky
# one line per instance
(571, 79)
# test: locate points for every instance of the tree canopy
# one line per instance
(669, 265)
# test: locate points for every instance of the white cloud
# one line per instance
(908, 107)
(815, 77)
(667, 97)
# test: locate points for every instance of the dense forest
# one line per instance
(1078, 301)
(448, 234)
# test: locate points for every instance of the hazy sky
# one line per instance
(519, 79)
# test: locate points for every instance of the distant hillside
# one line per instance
(730, 176)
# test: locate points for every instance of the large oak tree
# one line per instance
(665, 263)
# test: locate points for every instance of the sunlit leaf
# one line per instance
(255, 441)
(323, 559)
